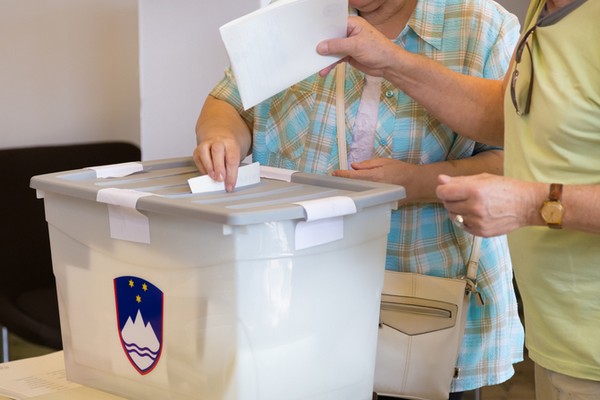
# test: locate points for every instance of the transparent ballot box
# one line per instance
(270, 292)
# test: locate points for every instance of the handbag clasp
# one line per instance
(472, 288)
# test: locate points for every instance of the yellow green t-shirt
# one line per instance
(558, 271)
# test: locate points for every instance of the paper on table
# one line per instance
(43, 378)
(274, 47)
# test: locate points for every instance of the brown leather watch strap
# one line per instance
(555, 192)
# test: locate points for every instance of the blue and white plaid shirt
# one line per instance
(296, 129)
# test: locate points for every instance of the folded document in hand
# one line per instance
(274, 47)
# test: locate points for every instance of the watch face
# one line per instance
(552, 212)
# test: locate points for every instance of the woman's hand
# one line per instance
(223, 140)
(388, 170)
(219, 157)
(421, 180)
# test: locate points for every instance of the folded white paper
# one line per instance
(315, 233)
(280, 174)
(329, 207)
(118, 170)
(125, 221)
(274, 47)
(324, 221)
(247, 175)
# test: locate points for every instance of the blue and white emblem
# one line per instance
(140, 318)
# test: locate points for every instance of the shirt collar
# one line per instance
(427, 21)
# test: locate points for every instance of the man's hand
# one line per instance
(490, 205)
(365, 48)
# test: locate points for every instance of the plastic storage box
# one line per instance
(165, 294)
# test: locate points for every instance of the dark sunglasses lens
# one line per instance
(521, 83)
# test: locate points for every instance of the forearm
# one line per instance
(421, 185)
(472, 107)
(581, 202)
(219, 119)
(494, 205)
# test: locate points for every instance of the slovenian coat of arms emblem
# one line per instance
(140, 319)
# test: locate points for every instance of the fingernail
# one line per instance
(322, 48)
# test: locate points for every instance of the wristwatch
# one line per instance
(552, 210)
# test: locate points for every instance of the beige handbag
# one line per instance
(422, 322)
(422, 317)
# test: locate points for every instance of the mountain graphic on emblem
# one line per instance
(140, 342)
(140, 321)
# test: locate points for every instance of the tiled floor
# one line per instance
(519, 387)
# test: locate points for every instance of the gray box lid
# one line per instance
(269, 200)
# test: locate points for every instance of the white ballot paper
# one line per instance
(247, 175)
(274, 47)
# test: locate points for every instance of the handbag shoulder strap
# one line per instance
(340, 113)
(472, 266)
(474, 258)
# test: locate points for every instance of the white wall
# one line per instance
(68, 71)
(182, 57)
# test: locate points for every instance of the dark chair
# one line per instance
(28, 300)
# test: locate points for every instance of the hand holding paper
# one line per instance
(274, 47)
(247, 175)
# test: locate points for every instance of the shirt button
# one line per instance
(389, 93)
